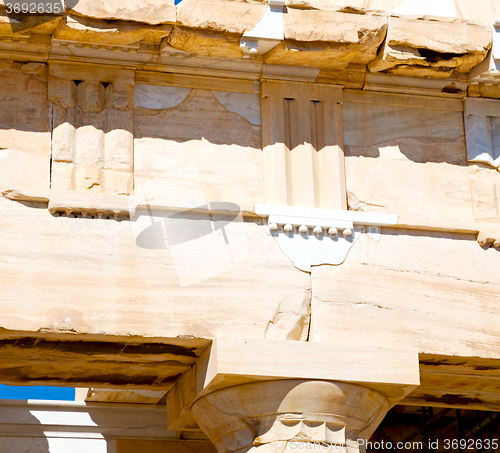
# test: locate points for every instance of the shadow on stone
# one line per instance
(24, 15)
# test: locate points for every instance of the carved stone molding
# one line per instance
(311, 237)
(275, 414)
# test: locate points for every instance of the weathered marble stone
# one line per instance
(484, 90)
(25, 112)
(200, 132)
(101, 32)
(328, 39)
(417, 146)
(411, 289)
(482, 128)
(143, 282)
(148, 11)
(206, 42)
(434, 48)
(158, 97)
(233, 16)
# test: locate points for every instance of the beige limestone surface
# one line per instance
(207, 43)
(25, 112)
(20, 168)
(102, 32)
(417, 44)
(481, 11)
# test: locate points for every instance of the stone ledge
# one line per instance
(422, 47)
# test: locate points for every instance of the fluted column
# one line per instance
(283, 415)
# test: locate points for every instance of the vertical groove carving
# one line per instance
(303, 155)
(93, 144)
(275, 150)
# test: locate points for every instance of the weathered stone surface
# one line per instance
(232, 16)
(123, 396)
(143, 282)
(365, 29)
(351, 77)
(420, 150)
(148, 11)
(75, 28)
(95, 428)
(158, 446)
(412, 289)
(25, 112)
(201, 135)
(328, 39)
(205, 42)
(93, 146)
(434, 48)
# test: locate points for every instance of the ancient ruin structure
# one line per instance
(250, 225)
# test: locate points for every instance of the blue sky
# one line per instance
(8, 392)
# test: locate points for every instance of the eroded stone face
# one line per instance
(20, 168)
(148, 11)
(328, 39)
(98, 31)
(206, 42)
(431, 48)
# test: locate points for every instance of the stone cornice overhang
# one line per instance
(292, 40)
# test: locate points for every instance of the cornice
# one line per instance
(265, 39)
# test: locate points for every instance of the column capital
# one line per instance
(278, 416)
(272, 372)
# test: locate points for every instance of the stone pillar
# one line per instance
(284, 415)
(92, 139)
